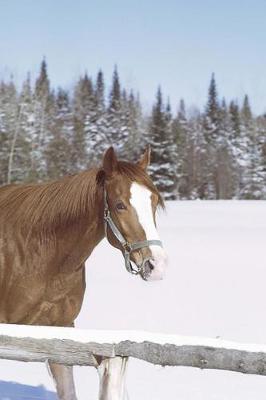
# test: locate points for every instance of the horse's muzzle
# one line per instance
(154, 267)
(146, 270)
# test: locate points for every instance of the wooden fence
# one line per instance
(113, 348)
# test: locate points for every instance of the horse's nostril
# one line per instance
(149, 265)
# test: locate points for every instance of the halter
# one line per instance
(127, 247)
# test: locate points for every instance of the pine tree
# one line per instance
(4, 134)
(117, 129)
(225, 173)
(131, 131)
(22, 143)
(100, 88)
(212, 113)
(240, 144)
(135, 142)
(198, 172)
(114, 111)
(181, 135)
(42, 100)
(12, 121)
(235, 121)
(115, 94)
(42, 85)
(246, 111)
(84, 108)
(163, 157)
(96, 124)
(252, 176)
(58, 150)
(213, 138)
(261, 140)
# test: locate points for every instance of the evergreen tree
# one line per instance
(84, 108)
(117, 116)
(135, 125)
(42, 85)
(227, 170)
(4, 134)
(240, 143)
(261, 140)
(181, 134)
(12, 120)
(198, 183)
(22, 142)
(96, 124)
(163, 157)
(246, 111)
(42, 106)
(252, 176)
(213, 138)
(235, 131)
(212, 113)
(100, 87)
(115, 94)
(58, 151)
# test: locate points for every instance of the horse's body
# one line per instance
(47, 231)
(42, 278)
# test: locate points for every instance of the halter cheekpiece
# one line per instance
(127, 247)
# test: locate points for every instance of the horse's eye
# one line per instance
(120, 206)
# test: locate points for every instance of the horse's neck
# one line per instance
(76, 242)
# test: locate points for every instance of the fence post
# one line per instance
(112, 376)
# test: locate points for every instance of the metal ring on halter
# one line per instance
(129, 266)
(127, 247)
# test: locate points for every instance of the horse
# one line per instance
(48, 230)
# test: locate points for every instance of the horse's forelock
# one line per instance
(135, 173)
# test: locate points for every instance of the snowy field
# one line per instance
(215, 286)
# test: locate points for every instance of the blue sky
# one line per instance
(176, 44)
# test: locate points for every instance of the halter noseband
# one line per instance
(127, 247)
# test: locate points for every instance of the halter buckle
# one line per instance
(106, 214)
(127, 247)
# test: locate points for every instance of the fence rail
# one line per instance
(84, 347)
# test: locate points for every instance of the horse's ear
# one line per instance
(110, 161)
(145, 160)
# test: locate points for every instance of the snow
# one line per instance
(214, 287)
(114, 337)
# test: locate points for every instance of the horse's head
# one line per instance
(130, 202)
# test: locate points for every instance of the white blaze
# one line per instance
(141, 201)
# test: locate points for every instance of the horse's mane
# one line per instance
(47, 205)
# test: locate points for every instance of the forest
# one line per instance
(215, 153)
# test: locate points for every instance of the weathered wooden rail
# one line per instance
(108, 351)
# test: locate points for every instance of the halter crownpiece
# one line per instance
(127, 247)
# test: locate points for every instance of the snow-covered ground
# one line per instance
(215, 286)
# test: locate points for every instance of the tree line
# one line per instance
(217, 153)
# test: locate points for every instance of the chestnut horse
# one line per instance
(47, 231)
